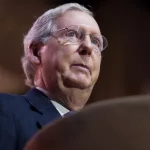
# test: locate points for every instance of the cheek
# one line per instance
(66, 54)
(63, 60)
(57, 57)
(49, 58)
(97, 64)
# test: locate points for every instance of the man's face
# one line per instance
(72, 65)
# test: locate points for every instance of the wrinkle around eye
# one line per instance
(96, 42)
(72, 34)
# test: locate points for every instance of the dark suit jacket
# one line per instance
(21, 116)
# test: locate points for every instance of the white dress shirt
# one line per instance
(61, 109)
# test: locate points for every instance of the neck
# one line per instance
(72, 98)
(75, 99)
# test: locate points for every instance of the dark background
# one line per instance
(125, 63)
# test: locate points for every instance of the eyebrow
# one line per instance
(93, 32)
(83, 27)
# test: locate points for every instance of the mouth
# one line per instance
(82, 66)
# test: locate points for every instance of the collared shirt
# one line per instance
(61, 109)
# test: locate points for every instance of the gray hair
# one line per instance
(40, 32)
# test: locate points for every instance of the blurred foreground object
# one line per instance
(119, 124)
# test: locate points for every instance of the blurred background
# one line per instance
(125, 63)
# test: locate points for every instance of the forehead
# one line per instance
(82, 19)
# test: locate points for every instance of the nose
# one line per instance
(86, 46)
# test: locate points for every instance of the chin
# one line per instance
(76, 80)
(80, 84)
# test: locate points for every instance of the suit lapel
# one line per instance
(48, 117)
(42, 105)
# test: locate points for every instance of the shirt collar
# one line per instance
(61, 109)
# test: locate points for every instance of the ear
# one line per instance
(33, 52)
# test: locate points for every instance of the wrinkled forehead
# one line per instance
(82, 19)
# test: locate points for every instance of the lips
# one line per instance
(82, 66)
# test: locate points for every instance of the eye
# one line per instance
(96, 42)
(72, 33)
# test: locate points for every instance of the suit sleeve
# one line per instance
(7, 129)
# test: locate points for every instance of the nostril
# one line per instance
(84, 52)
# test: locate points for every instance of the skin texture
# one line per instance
(61, 68)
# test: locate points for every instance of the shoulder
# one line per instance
(10, 98)
(11, 102)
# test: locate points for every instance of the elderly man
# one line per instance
(62, 57)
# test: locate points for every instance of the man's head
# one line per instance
(63, 54)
